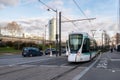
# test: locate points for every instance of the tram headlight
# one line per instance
(78, 53)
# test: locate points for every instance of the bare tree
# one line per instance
(13, 28)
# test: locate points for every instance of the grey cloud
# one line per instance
(37, 26)
(2, 6)
(33, 26)
(4, 3)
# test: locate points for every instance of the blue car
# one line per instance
(31, 51)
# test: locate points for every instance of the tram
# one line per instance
(80, 47)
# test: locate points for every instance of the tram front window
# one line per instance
(75, 42)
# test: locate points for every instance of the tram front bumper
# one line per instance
(78, 58)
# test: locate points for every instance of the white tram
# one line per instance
(81, 47)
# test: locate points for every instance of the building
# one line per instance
(116, 39)
(117, 36)
(52, 29)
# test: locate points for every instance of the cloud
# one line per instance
(9, 2)
(36, 25)
(2, 6)
(33, 26)
(56, 4)
(4, 3)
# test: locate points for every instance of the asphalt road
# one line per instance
(15, 67)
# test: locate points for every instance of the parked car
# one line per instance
(47, 51)
(63, 50)
(31, 51)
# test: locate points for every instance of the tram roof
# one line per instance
(83, 33)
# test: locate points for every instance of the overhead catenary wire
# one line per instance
(55, 11)
(48, 6)
(71, 21)
(80, 8)
(82, 12)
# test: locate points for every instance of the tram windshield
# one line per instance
(75, 42)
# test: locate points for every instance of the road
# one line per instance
(105, 66)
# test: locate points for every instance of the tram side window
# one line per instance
(93, 45)
(86, 45)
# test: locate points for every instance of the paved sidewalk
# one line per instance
(111, 55)
(107, 68)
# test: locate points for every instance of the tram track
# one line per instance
(93, 62)
(15, 70)
(7, 69)
(65, 69)
(54, 78)
(65, 73)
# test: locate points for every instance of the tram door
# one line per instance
(86, 45)
(67, 47)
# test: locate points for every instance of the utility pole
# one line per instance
(0, 34)
(102, 41)
(119, 15)
(93, 32)
(45, 33)
(56, 31)
(59, 33)
(49, 8)
(0, 31)
(103, 38)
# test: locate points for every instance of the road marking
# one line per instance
(103, 63)
(30, 61)
(115, 59)
(49, 66)
(86, 70)
(64, 64)
(28, 65)
(113, 70)
(10, 65)
(1, 66)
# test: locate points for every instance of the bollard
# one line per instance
(50, 53)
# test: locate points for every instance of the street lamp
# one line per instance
(56, 36)
(49, 8)
(0, 31)
(119, 15)
(103, 36)
(45, 34)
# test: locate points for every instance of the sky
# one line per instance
(32, 15)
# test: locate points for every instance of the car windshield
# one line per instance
(31, 49)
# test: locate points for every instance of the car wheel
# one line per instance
(23, 55)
